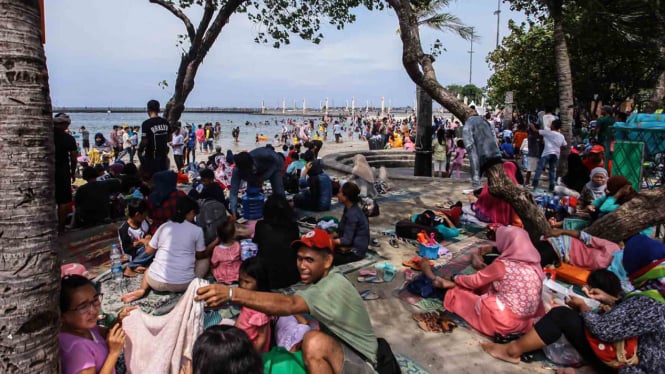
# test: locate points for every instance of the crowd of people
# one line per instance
(172, 236)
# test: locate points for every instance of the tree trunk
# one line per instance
(419, 65)
(632, 217)
(564, 80)
(184, 85)
(423, 163)
(29, 276)
(520, 199)
(658, 95)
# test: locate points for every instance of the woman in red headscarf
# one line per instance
(504, 297)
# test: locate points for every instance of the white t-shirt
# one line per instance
(177, 142)
(176, 244)
(126, 142)
(553, 142)
(547, 121)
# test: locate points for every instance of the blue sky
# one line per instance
(114, 53)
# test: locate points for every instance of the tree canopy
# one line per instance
(614, 50)
(276, 20)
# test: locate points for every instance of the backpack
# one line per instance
(212, 215)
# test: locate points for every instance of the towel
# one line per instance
(158, 344)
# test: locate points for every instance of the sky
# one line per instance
(115, 53)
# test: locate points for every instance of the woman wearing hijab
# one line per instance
(101, 150)
(640, 314)
(162, 199)
(594, 188)
(492, 209)
(504, 297)
(577, 175)
(576, 248)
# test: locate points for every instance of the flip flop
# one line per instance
(369, 295)
(370, 279)
(366, 272)
(389, 270)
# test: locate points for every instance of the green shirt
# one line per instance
(336, 304)
(605, 133)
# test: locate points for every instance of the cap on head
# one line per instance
(316, 239)
(597, 149)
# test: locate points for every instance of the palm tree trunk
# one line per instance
(29, 276)
(658, 95)
(564, 79)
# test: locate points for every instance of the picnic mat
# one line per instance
(90, 247)
(409, 366)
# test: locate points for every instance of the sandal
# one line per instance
(393, 242)
(368, 295)
(366, 272)
(389, 271)
(370, 279)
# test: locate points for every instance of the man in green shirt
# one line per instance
(603, 129)
(346, 343)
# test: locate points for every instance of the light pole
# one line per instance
(473, 29)
(497, 13)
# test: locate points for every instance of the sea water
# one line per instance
(267, 125)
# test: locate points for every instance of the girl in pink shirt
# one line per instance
(225, 259)
(86, 348)
(255, 324)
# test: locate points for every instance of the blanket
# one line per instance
(174, 334)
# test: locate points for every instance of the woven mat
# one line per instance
(90, 247)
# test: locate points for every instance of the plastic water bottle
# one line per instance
(464, 221)
(116, 263)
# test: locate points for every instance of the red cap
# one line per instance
(317, 239)
(597, 149)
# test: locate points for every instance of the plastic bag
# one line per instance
(561, 352)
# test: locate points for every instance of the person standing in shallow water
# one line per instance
(85, 139)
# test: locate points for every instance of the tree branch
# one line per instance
(418, 65)
(208, 12)
(221, 19)
(632, 217)
(178, 13)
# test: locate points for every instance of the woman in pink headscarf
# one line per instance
(504, 297)
(494, 210)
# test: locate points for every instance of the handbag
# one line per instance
(616, 354)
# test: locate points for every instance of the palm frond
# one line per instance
(449, 22)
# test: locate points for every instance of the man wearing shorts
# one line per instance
(346, 343)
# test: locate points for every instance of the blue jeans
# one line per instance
(141, 258)
(551, 161)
